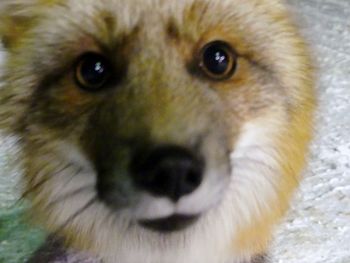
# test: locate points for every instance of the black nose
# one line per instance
(168, 171)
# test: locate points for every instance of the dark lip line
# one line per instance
(174, 223)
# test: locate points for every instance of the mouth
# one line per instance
(170, 224)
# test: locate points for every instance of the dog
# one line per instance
(157, 131)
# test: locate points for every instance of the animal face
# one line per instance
(184, 123)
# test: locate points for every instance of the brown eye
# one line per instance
(218, 60)
(92, 72)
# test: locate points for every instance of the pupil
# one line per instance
(93, 70)
(216, 60)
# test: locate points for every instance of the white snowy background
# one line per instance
(317, 229)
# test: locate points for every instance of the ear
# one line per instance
(16, 17)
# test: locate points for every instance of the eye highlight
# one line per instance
(218, 60)
(92, 72)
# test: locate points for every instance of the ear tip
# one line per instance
(16, 17)
(4, 31)
(11, 30)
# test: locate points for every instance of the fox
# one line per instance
(157, 131)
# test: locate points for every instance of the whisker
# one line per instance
(270, 167)
(263, 148)
(32, 189)
(75, 215)
(40, 183)
(78, 171)
(250, 160)
(71, 194)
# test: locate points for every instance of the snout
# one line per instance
(168, 171)
(164, 187)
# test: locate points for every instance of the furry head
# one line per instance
(158, 131)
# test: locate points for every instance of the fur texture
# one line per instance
(256, 125)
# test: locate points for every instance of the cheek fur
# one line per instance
(268, 161)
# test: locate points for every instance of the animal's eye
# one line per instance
(92, 71)
(218, 60)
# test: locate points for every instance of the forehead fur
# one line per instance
(60, 26)
(193, 17)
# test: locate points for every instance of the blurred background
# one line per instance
(317, 229)
(318, 226)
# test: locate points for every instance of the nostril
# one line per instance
(162, 182)
(190, 181)
(194, 178)
(169, 171)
